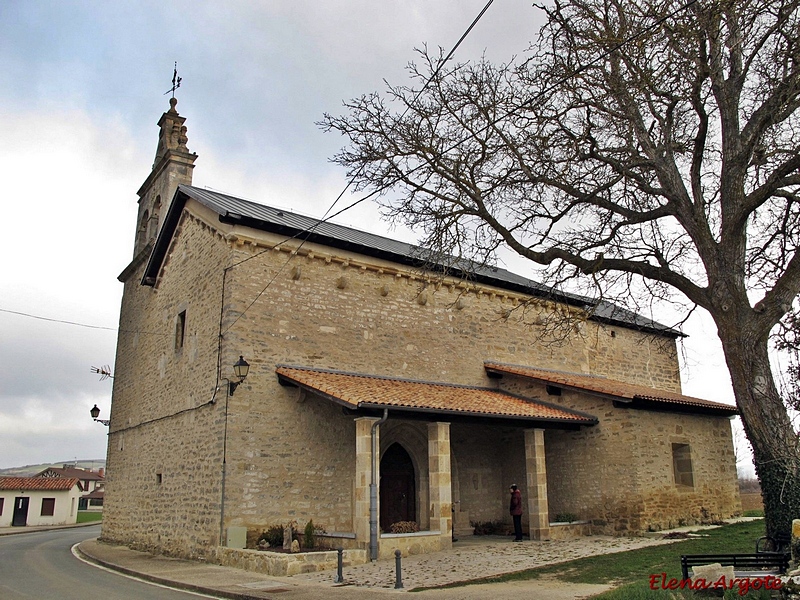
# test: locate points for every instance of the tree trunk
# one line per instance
(766, 423)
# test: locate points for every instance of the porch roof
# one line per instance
(359, 391)
(636, 396)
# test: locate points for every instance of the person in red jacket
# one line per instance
(515, 508)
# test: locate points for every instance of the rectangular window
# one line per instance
(1, 505)
(682, 465)
(180, 329)
(48, 507)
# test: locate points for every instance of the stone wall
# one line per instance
(282, 565)
(291, 456)
(165, 448)
(619, 473)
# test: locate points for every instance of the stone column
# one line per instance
(362, 478)
(441, 512)
(536, 481)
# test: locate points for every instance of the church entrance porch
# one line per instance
(437, 449)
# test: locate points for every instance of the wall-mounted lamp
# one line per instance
(240, 369)
(95, 412)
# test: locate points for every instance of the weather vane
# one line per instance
(176, 81)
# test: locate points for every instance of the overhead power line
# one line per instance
(76, 324)
(326, 216)
(30, 316)
(657, 23)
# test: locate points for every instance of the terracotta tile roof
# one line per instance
(619, 390)
(54, 484)
(355, 391)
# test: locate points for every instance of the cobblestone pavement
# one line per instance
(474, 558)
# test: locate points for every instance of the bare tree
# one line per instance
(645, 150)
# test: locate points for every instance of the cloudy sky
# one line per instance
(81, 89)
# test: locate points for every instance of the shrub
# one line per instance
(273, 535)
(566, 517)
(309, 535)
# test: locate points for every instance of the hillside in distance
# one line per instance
(31, 470)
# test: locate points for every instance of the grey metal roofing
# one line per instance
(234, 210)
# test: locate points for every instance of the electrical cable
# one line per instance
(75, 323)
(490, 124)
(325, 217)
(22, 314)
(386, 186)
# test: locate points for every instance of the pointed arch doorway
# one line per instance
(398, 489)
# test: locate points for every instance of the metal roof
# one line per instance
(233, 210)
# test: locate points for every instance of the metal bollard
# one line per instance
(339, 578)
(398, 580)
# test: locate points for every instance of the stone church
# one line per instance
(385, 386)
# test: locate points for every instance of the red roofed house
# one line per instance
(385, 386)
(38, 501)
(91, 482)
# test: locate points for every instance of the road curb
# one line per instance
(37, 528)
(179, 585)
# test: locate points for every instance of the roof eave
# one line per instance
(638, 402)
(543, 421)
(164, 238)
(682, 407)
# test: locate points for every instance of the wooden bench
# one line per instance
(755, 565)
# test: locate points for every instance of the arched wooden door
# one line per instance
(398, 487)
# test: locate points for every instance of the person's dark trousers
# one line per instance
(517, 528)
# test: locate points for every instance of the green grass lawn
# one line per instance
(85, 516)
(630, 571)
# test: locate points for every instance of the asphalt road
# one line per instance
(40, 566)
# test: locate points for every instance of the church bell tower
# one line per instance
(172, 167)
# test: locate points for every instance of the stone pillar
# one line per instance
(362, 478)
(441, 512)
(536, 481)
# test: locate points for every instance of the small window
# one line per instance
(682, 465)
(1, 505)
(180, 329)
(48, 507)
(158, 478)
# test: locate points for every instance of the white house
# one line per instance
(38, 501)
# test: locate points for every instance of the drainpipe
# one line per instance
(373, 489)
